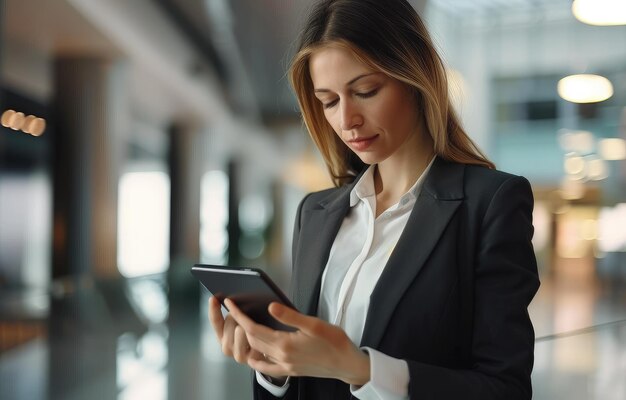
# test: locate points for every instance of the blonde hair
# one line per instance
(390, 37)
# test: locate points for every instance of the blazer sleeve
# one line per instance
(259, 392)
(505, 281)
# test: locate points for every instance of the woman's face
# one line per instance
(373, 114)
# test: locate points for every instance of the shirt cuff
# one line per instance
(389, 378)
(278, 391)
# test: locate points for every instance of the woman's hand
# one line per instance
(316, 349)
(231, 336)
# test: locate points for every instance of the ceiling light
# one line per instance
(17, 121)
(28, 121)
(573, 164)
(600, 12)
(6, 118)
(37, 127)
(31, 124)
(612, 149)
(585, 88)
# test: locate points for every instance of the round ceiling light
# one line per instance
(585, 88)
(600, 12)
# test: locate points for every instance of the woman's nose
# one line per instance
(350, 116)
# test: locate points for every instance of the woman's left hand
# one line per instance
(316, 349)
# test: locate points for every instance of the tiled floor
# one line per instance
(89, 352)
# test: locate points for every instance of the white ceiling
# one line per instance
(159, 59)
(264, 31)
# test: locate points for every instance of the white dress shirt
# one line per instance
(356, 261)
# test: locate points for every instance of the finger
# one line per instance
(289, 316)
(215, 317)
(260, 337)
(259, 331)
(241, 348)
(228, 338)
(270, 350)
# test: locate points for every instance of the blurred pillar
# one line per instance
(87, 146)
(185, 163)
(186, 158)
(90, 109)
(234, 230)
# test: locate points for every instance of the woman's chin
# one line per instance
(368, 158)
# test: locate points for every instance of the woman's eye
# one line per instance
(330, 104)
(366, 95)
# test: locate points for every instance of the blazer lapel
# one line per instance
(440, 197)
(319, 228)
(318, 232)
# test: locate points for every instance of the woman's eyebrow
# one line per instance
(352, 81)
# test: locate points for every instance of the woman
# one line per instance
(414, 274)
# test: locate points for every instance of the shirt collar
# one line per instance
(365, 186)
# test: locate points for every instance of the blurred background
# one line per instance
(140, 137)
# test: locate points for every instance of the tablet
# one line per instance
(250, 288)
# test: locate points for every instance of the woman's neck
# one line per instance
(394, 176)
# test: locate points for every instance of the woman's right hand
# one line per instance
(231, 336)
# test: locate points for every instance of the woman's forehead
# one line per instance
(332, 66)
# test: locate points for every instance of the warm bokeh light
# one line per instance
(589, 229)
(600, 12)
(574, 165)
(30, 124)
(28, 121)
(572, 189)
(307, 173)
(34, 126)
(38, 126)
(6, 118)
(612, 149)
(585, 88)
(17, 121)
(576, 231)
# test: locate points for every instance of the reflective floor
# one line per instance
(95, 341)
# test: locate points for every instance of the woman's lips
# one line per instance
(361, 144)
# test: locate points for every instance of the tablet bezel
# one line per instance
(202, 272)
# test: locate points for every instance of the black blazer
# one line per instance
(452, 300)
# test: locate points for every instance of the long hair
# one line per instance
(388, 36)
